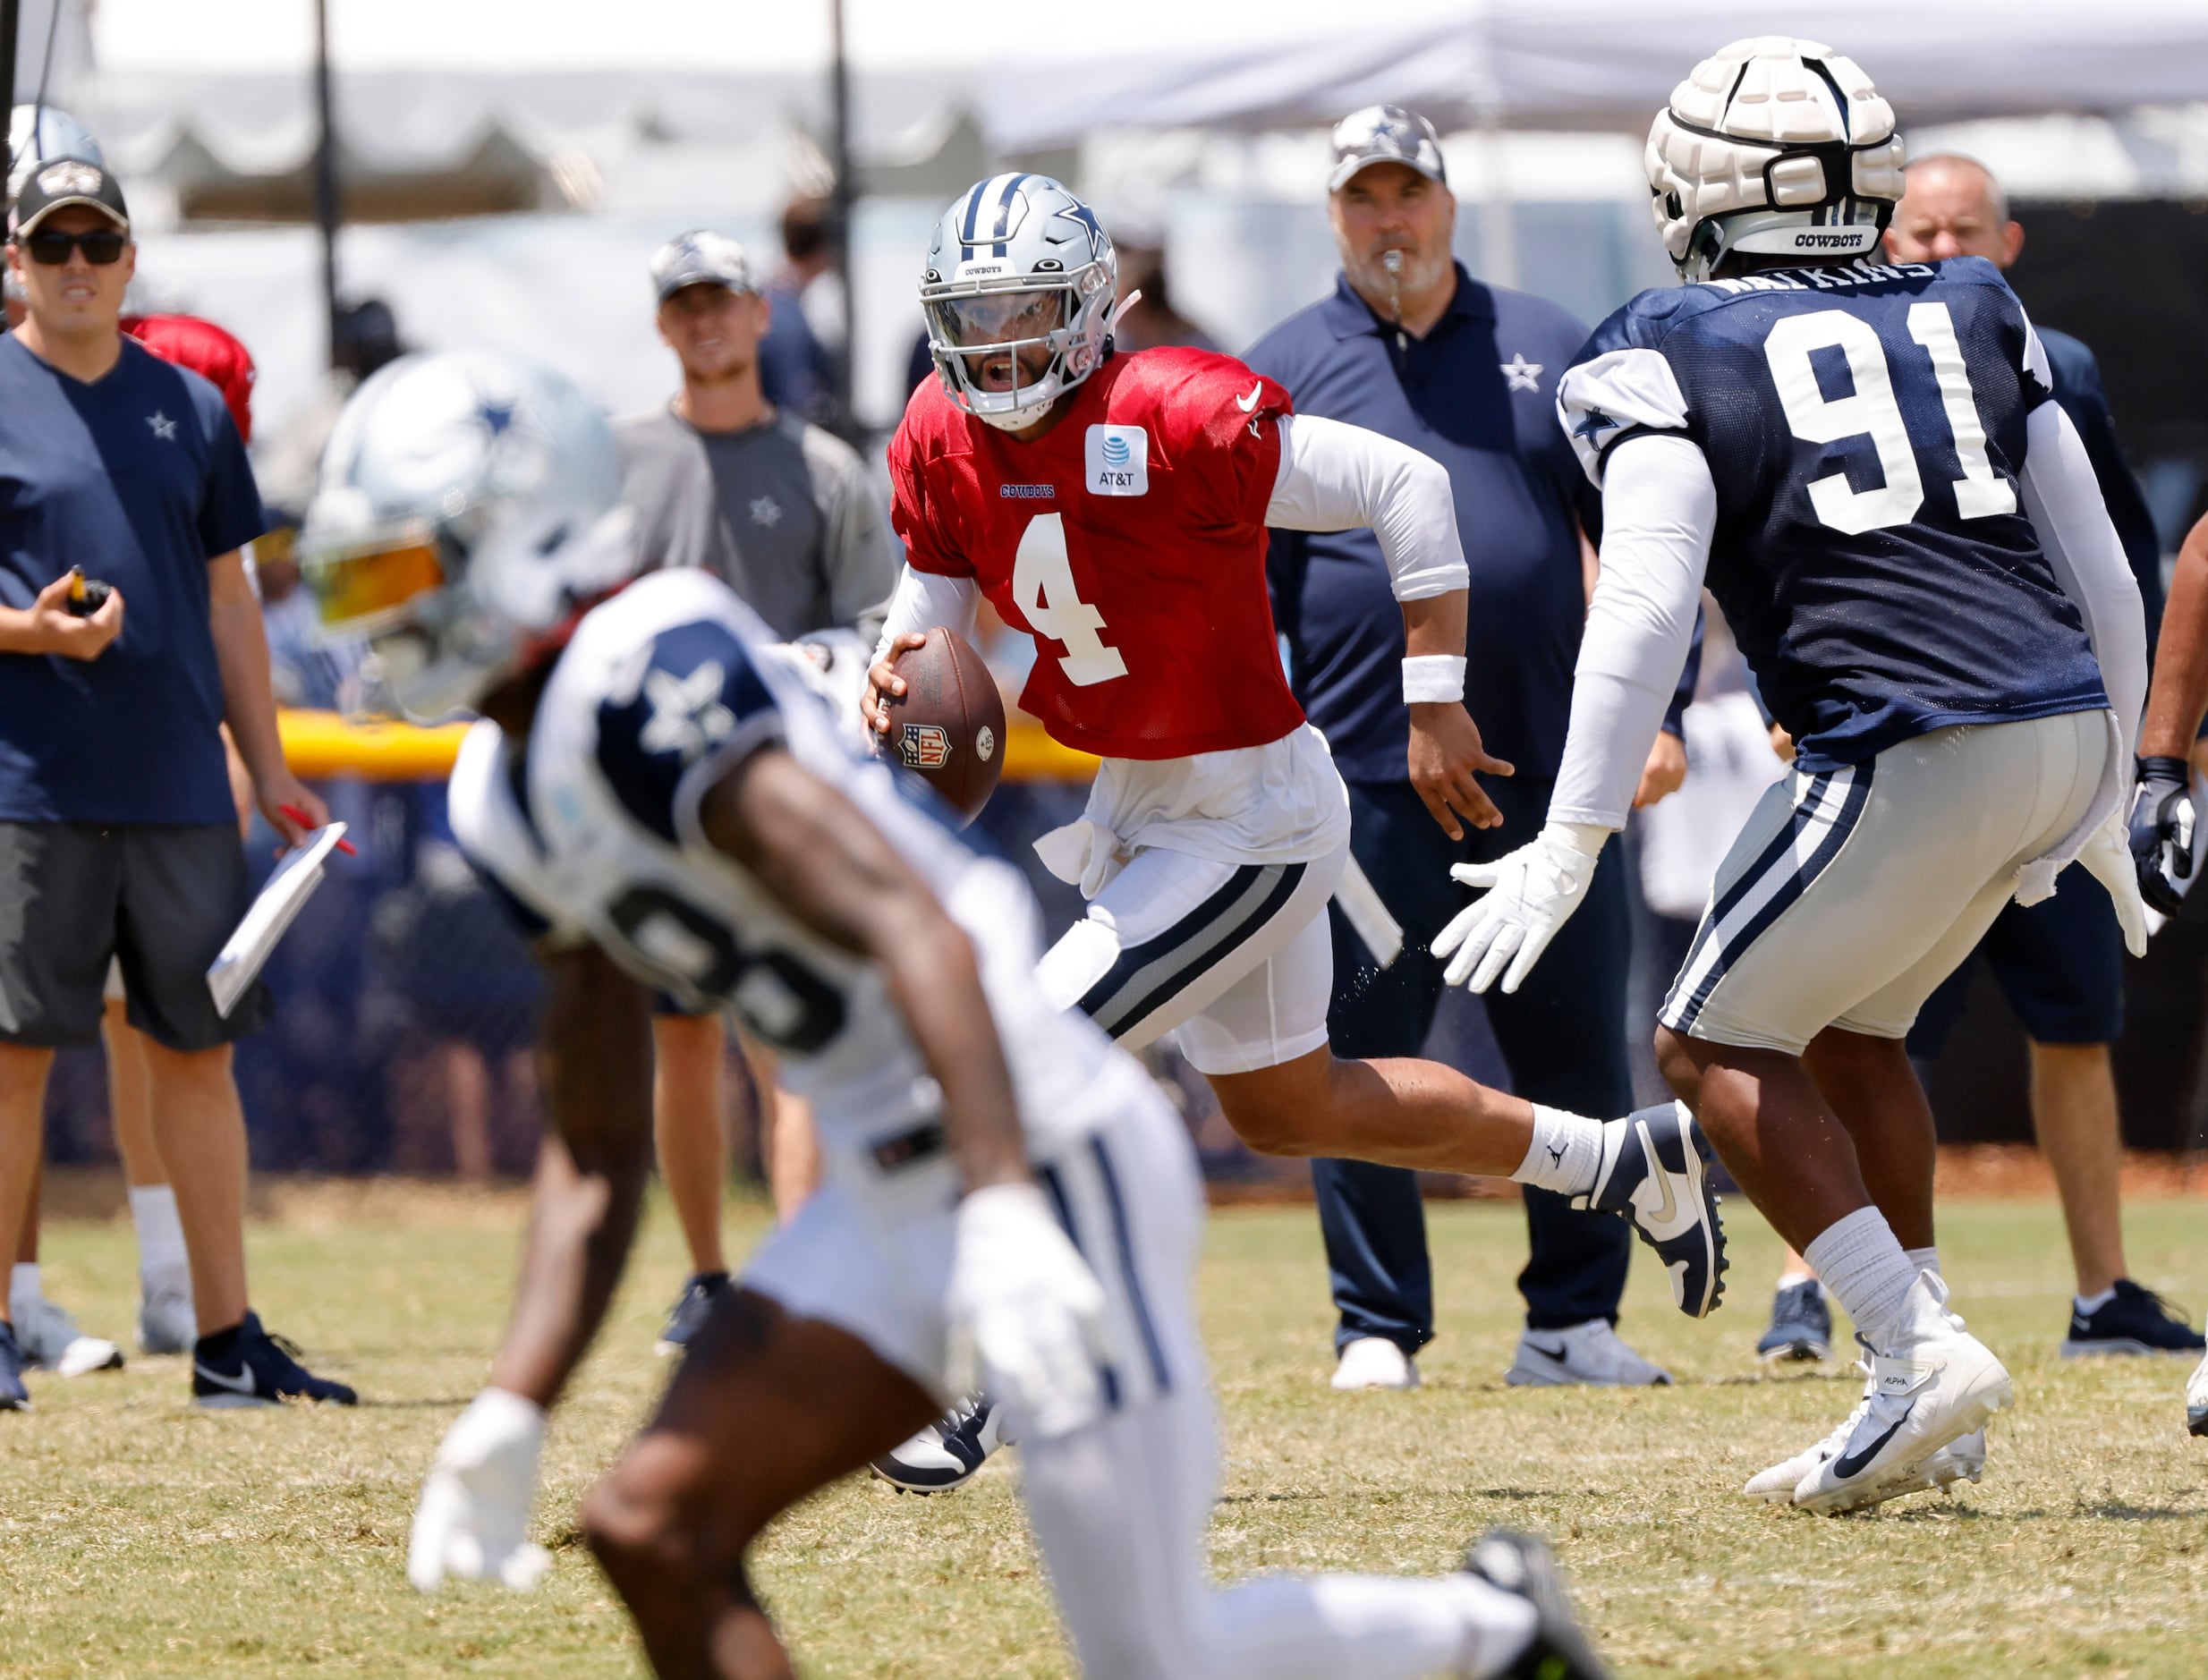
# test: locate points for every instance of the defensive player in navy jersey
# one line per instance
(1865, 463)
(670, 807)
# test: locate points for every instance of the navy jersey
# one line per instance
(1865, 427)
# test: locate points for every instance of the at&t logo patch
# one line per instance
(925, 747)
(1118, 461)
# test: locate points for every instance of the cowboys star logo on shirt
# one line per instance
(687, 716)
(1519, 374)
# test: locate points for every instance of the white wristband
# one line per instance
(1434, 676)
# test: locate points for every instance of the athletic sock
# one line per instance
(1566, 1153)
(1926, 1259)
(24, 1283)
(1794, 1278)
(2087, 1305)
(1870, 1274)
(161, 1257)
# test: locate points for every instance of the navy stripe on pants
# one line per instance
(1562, 1035)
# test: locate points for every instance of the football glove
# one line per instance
(1027, 1314)
(2163, 823)
(474, 1509)
(1531, 893)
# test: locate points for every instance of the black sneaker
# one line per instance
(1801, 1324)
(686, 1317)
(949, 1453)
(245, 1366)
(2135, 1320)
(13, 1396)
(1522, 1565)
(1654, 1173)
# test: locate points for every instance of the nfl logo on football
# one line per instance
(924, 746)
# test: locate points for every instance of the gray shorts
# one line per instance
(158, 901)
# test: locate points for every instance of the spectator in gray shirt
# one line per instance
(779, 508)
(783, 512)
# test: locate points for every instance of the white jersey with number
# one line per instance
(594, 832)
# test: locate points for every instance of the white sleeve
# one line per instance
(924, 599)
(1337, 477)
(2062, 500)
(1660, 510)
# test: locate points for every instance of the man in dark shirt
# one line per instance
(117, 834)
(1411, 346)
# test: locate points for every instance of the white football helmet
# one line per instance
(37, 133)
(469, 507)
(1772, 144)
(1018, 293)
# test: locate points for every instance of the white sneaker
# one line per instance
(49, 1336)
(1373, 1362)
(1589, 1353)
(2196, 1401)
(1938, 1391)
(166, 1321)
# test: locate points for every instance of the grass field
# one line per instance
(139, 1537)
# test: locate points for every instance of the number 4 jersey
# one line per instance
(592, 834)
(1864, 427)
(1129, 541)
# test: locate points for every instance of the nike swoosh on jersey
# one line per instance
(1248, 404)
(1847, 1464)
(242, 1383)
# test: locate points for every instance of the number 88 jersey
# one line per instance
(1864, 426)
(590, 834)
(1129, 541)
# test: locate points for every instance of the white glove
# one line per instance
(1532, 892)
(474, 1509)
(1025, 1307)
(2107, 857)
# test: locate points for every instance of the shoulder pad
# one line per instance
(692, 695)
(1621, 383)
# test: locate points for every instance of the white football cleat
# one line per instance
(1589, 1353)
(1776, 1485)
(1373, 1362)
(48, 1336)
(1935, 1393)
(2196, 1401)
(166, 1321)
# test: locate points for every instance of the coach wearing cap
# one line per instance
(1411, 346)
(782, 511)
(117, 835)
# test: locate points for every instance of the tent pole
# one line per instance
(846, 193)
(1499, 231)
(326, 208)
(10, 19)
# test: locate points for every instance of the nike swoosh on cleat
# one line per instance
(1847, 1464)
(1248, 404)
(242, 1383)
(1668, 1210)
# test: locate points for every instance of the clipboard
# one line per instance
(246, 952)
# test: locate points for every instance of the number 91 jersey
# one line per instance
(1865, 427)
(1129, 541)
(592, 836)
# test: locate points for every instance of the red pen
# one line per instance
(300, 817)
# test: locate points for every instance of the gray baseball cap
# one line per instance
(701, 258)
(1385, 134)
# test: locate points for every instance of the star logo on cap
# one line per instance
(68, 179)
(1519, 374)
(164, 427)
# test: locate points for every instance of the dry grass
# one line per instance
(139, 1537)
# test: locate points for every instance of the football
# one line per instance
(948, 725)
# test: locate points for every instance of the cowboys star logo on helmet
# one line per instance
(1772, 144)
(1019, 293)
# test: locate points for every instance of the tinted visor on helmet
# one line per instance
(1003, 340)
(372, 582)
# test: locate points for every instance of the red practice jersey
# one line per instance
(1129, 541)
(208, 351)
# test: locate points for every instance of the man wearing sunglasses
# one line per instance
(118, 839)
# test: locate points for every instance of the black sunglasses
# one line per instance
(51, 246)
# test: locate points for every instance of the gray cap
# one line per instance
(1385, 134)
(701, 258)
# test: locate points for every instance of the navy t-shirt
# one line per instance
(1865, 427)
(1478, 394)
(140, 479)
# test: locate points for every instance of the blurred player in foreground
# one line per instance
(1115, 508)
(1904, 533)
(670, 808)
(2165, 821)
